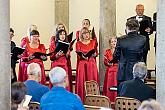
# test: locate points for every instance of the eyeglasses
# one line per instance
(85, 33)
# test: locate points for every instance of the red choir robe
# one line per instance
(87, 69)
(21, 63)
(28, 52)
(93, 38)
(110, 76)
(62, 62)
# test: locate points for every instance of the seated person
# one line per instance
(58, 98)
(150, 105)
(18, 92)
(136, 88)
(34, 88)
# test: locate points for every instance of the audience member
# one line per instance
(136, 88)
(34, 88)
(145, 27)
(111, 71)
(58, 98)
(86, 67)
(129, 50)
(150, 105)
(18, 92)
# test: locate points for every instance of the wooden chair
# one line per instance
(97, 100)
(34, 106)
(88, 107)
(125, 103)
(92, 88)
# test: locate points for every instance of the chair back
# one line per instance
(88, 107)
(92, 88)
(97, 100)
(34, 106)
(125, 103)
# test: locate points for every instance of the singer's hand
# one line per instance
(94, 55)
(59, 54)
(31, 57)
(43, 57)
(110, 64)
(86, 58)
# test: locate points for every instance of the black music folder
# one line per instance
(39, 54)
(63, 46)
(69, 37)
(89, 54)
(16, 51)
(93, 33)
(71, 44)
(144, 24)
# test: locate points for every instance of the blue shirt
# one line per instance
(60, 99)
(35, 89)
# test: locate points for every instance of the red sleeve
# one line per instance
(95, 46)
(24, 41)
(52, 47)
(78, 48)
(105, 58)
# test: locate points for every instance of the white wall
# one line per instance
(79, 10)
(126, 9)
(38, 12)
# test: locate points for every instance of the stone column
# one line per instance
(4, 56)
(62, 12)
(107, 30)
(160, 53)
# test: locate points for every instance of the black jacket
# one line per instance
(136, 88)
(129, 50)
(142, 28)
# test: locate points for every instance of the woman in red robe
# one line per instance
(28, 57)
(86, 24)
(111, 71)
(24, 41)
(60, 59)
(87, 67)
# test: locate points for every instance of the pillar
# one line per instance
(160, 53)
(107, 30)
(62, 12)
(4, 56)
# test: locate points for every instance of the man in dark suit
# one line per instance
(129, 50)
(13, 61)
(136, 88)
(154, 27)
(145, 27)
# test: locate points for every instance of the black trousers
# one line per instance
(145, 52)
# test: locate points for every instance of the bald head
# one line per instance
(140, 9)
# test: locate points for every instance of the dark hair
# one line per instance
(58, 35)
(34, 32)
(18, 92)
(87, 20)
(132, 24)
(11, 30)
